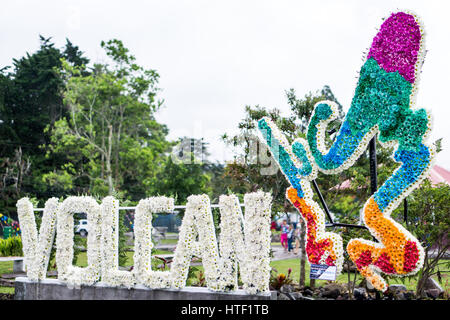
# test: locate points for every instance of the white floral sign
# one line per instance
(244, 242)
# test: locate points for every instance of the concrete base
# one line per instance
(52, 289)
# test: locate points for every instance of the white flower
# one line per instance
(36, 247)
(73, 275)
(111, 274)
(143, 242)
(244, 242)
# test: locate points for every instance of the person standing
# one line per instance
(283, 236)
(290, 237)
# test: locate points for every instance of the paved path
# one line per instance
(168, 247)
(280, 254)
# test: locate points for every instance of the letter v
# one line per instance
(37, 247)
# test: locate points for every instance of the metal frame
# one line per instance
(373, 189)
(133, 208)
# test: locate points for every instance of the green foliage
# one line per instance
(110, 138)
(192, 277)
(11, 247)
(78, 243)
(277, 280)
(123, 257)
(181, 180)
(428, 208)
(429, 221)
(30, 101)
(72, 128)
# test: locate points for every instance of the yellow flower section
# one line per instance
(390, 257)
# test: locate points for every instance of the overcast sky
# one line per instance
(215, 57)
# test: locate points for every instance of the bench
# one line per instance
(162, 231)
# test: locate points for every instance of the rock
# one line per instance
(396, 288)
(306, 298)
(433, 293)
(282, 296)
(433, 284)
(331, 293)
(409, 295)
(286, 288)
(6, 296)
(296, 295)
(400, 296)
(360, 293)
(334, 286)
(308, 292)
(299, 296)
(332, 290)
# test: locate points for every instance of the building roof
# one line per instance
(439, 174)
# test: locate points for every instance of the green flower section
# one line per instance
(381, 98)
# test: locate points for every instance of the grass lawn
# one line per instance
(275, 244)
(157, 251)
(6, 267)
(168, 241)
(9, 290)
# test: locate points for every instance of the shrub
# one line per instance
(11, 247)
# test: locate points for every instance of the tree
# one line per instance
(429, 221)
(191, 151)
(110, 134)
(218, 182)
(250, 169)
(180, 180)
(30, 101)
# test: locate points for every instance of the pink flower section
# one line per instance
(397, 44)
(411, 256)
(364, 259)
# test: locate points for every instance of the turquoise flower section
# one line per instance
(286, 164)
(414, 164)
(299, 150)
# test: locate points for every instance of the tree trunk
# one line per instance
(109, 172)
(424, 276)
(302, 252)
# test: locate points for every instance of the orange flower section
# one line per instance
(315, 247)
(395, 255)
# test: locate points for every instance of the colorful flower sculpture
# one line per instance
(382, 104)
